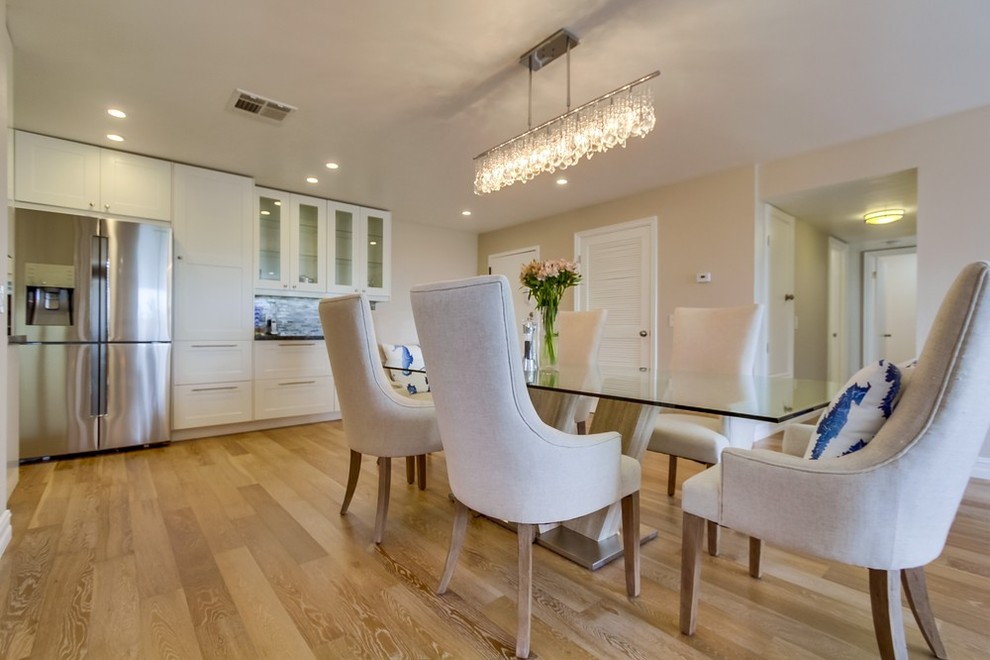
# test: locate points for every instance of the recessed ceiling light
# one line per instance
(312, 179)
(278, 203)
(373, 243)
(332, 165)
(465, 212)
(561, 181)
(883, 216)
(266, 213)
(114, 137)
(114, 112)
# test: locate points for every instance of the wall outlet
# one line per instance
(703, 278)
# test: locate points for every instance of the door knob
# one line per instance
(788, 296)
(887, 334)
(642, 333)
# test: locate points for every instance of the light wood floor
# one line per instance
(233, 547)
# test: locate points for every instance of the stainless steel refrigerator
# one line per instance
(93, 300)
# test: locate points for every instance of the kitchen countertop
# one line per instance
(263, 337)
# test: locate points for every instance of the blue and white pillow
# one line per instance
(856, 413)
(407, 357)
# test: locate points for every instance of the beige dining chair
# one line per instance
(377, 420)
(580, 338)
(502, 460)
(715, 340)
(887, 507)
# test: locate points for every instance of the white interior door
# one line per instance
(780, 292)
(510, 264)
(838, 331)
(618, 268)
(890, 305)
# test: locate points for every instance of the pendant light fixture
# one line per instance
(597, 126)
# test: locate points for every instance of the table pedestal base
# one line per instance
(586, 551)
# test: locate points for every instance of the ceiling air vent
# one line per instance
(259, 106)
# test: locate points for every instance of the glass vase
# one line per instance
(548, 346)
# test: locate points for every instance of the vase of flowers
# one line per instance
(545, 283)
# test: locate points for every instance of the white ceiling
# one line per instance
(404, 94)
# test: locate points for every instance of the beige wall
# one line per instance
(810, 301)
(952, 156)
(420, 254)
(704, 225)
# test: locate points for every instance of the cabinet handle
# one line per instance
(106, 206)
(297, 343)
(214, 345)
(214, 389)
(298, 382)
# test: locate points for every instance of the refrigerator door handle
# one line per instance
(100, 304)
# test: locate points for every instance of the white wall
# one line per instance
(421, 254)
(6, 62)
(952, 156)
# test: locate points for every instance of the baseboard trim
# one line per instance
(982, 468)
(247, 427)
(6, 531)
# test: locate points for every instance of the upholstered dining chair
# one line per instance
(580, 338)
(377, 420)
(887, 507)
(715, 340)
(502, 460)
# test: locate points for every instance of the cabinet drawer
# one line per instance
(210, 404)
(198, 362)
(293, 396)
(290, 359)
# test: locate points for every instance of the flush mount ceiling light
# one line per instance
(594, 127)
(883, 216)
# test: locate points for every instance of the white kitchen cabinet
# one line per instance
(213, 304)
(290, 242)
(198, 362)
(211, 404)
(360, 250)
(292, 378)
(72, 175)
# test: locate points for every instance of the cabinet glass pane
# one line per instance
(270, 239)
(375, 247)
(309, 235)
(343, 265)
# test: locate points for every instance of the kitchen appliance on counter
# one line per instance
(93, 300)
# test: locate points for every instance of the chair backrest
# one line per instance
(715, 340)
(927, 449)
(368, 403)
(502, 459)
(580, 335)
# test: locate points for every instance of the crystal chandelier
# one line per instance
(596, 126)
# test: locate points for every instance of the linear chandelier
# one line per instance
(597, 126)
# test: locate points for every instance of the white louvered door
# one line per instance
(618, 265)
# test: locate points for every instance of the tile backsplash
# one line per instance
(295, 316)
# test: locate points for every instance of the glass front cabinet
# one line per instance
(360, 250)
(311, 245)
(291, 240)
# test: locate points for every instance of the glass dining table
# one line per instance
(629, 400)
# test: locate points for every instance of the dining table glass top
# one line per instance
(763, 398)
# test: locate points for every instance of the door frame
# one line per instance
(868, 353)
(838, 310)
(651, 224)
(764, 257)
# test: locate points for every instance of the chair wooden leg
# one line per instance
(456, 541)
(713, 537)
(410, 469)
(755, 550)
(888, 623)
(421, 470)
(671, 475)
(916, 589)
(384, 483)
(692, 531)
(630, 541)
(353, 472)
(524, 601)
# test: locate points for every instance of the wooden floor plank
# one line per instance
(234, 547)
